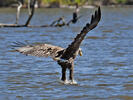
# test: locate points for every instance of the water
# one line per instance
(104, 72)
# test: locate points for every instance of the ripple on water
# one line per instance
(104, 72)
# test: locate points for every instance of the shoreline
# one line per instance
(72, 7)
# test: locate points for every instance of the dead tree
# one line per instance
(31, 13)
(32, 6)
(20, 2)
(75, 15)
(59, 22)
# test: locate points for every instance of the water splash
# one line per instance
(67, 82)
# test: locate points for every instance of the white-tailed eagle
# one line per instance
(64, 56)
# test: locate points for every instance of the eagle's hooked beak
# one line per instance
(80, 52)
(56, 58)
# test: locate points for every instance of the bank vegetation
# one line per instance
(59, 3)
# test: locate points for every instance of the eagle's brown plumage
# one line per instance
(40, 50)
(64, 57)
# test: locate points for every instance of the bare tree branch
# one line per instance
(18, 11)
(32, 12)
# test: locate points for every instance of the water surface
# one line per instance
(104, 72)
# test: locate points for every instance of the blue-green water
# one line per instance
(104, 72)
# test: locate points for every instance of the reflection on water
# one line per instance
(104, 72)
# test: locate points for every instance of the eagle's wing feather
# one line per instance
(41, 50)
(74, 46)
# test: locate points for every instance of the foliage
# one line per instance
(66, 2)
(121, 1)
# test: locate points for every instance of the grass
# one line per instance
(81, 2)
(121, 1)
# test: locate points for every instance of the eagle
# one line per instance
(63, 56)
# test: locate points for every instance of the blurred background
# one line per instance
(104, 72)
(62, 3)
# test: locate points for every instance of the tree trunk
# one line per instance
(32, 12)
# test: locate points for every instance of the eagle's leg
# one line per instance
(63, 66)
(71, 69)
(63, 74)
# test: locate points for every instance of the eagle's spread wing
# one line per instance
(74, 46)
(41, 50)
(94, 20)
